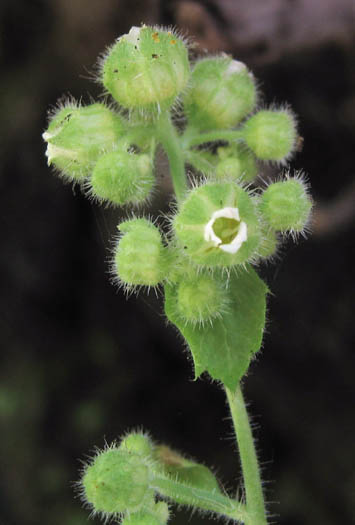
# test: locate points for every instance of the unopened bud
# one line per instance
(116, 482)
(271, 134)
(221, 93)
(236, 163)
(121, 178)
(147, 68)
(201, 298)
(77, 136)
(286, 205)
(140, 257)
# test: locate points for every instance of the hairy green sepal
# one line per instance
(146, 69)
(183, 470)
(225, 348)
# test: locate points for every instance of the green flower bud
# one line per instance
(201, 298)
(147, 68)
(140, 257)
(286, 206)
(141, 518)
(116, 481)
(222, 92)
(159, 515)
(138, 443)
(217, 225)
(271, 134)
(77, 136)
(236, 163)
(121, 177)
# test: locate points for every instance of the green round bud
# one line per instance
(222, 92)
(236, 163)
(141, 518)
(217, 225)
(162, 512)
(140, 257)
(147, 68)
(121, 177)
(116, 481)
(77, 136)
(201, 298)
(138, 443)
(286, 205)
(158, 515)
(271, 134)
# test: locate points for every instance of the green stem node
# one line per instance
(255, 505)
(196, 497)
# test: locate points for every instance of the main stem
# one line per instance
(167, 136)
(255, 505)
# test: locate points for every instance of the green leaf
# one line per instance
(225, 348)
(185, 471)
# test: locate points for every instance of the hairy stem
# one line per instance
(196, 497)
(231, 135)
(255, 505)
(169, 139)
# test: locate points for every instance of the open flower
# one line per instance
(217, 225)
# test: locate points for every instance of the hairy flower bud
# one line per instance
(236, 163)
(146, 69)
(158, 515)
(77, 136)
(116, 482)
(222, 92)
(286, 206)
(140, 257)
(271, 134)
(201, 298)
(217, 225)
(121, 177)
(138, 443)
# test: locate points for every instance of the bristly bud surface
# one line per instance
(77, 136)
(221, 93)
(286, 205)
(271, 134)
(116, 482)
(146, 69)
(121, 177)
(140, 257)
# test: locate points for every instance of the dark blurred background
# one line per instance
(80, 364)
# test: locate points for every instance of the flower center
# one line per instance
(226, 230)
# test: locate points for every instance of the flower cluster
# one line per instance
(223, 221)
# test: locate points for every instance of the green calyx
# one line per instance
(77, 136)
(221, 93)
(201, 298)
(157, 515)
(140, 258)
(137, 443)
(146, 69)
(121, 177)
(286, 206)
(116, 482)
(217, 225)
(236, 163)
(271, 134)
